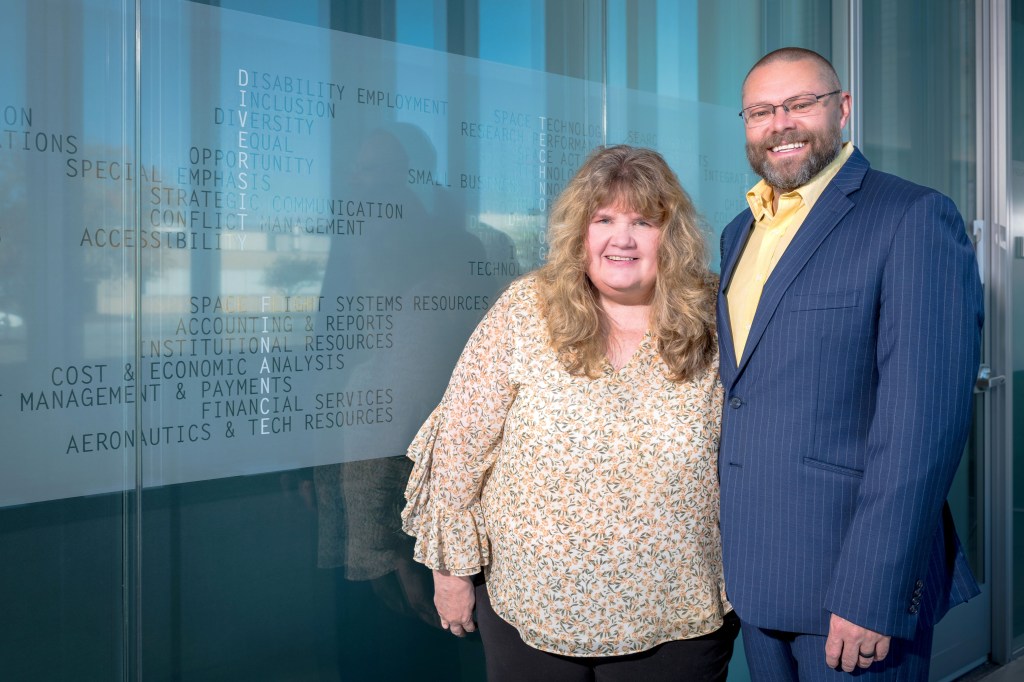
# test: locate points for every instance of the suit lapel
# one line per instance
(828, 211)
(727, 361)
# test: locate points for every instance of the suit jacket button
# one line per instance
(735, 403)
(913, 609)
(919, 584)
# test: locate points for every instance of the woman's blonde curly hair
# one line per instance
(682, 319)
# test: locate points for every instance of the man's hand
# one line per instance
(454, 599)
(853, 646)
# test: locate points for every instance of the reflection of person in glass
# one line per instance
(572, 458)
(358, 501)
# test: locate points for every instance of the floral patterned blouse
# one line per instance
(591, 504)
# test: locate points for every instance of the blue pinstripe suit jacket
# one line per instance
(847, 415)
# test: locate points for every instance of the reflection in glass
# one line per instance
(270, 548)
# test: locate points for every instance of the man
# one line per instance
(849, 319)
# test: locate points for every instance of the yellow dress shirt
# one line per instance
(772, 233)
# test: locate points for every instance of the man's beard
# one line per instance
(824, 147)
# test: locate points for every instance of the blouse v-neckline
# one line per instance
(632, 358)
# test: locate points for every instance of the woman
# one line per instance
(572, 458)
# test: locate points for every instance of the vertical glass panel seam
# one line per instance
(856, 49)
(604, 71)
(135, 523)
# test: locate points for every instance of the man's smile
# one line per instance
(790, 146)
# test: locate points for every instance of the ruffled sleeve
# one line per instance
(458, 444)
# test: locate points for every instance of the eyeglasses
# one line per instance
(800, 105)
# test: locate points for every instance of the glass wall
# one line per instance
(67, 339)
(1016, 312)
(229, 296)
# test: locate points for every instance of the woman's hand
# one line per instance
(454, 599)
